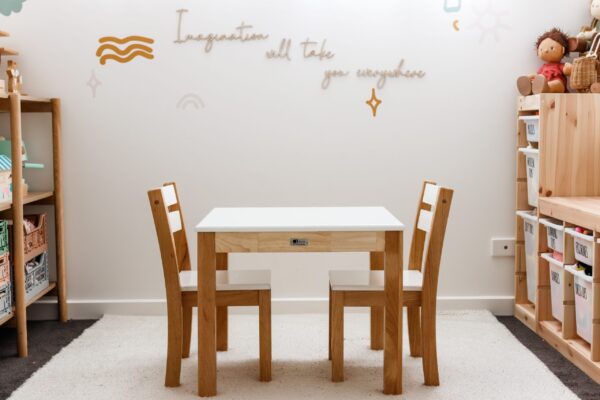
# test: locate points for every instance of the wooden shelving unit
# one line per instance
(569, 191)
(15, 105)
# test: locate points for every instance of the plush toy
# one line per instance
(552, 47)
(582, 42)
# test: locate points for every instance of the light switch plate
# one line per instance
(503, 247)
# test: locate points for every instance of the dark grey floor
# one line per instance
(570, 375)
(46, 338)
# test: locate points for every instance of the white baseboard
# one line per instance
(93, 309)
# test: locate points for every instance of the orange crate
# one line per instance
(4, 269)
(36, 240)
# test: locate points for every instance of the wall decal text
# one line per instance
(383, 75)
(310, 49)
(310, 52)
(332, 73)
(283, 52)
(241, 34)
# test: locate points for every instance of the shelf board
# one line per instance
(5, 51)
(526, 314)
(4, 34)
(31, 197)
(28, 103)
(7, 318)
(41, 294)
(576, 350)
(35, 298)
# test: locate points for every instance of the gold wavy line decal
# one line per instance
(122, 52)
(126, 40)
(130, 57)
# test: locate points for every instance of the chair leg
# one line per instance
(264, 322)
(187, 331)
(329, 331)
(222, 328)
(414, 330)
(430, 364)
(174, 345)
(337, 336)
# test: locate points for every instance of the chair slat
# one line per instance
(169, 196)
(431, 194)
(425, 218)
(175, 221)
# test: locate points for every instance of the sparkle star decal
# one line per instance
(93, 83)
(373, 102)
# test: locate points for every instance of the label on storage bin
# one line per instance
(531, 129)
(552, 236)
(528, 227)
(582, 250)
(581, 291)
(555, 277)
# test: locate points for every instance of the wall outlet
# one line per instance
(503, 247)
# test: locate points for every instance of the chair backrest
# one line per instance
(170, 231)
(429, 232)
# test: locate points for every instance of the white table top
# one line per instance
(299, 219)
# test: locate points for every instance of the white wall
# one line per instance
(270, 136)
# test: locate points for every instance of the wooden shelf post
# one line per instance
(18, 236)
(58, 211)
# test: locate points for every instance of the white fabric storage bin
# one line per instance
(530, 227)
(583, 303)
(532, 127)
(556, 234)
(583, 246)
(532, 158)
(556, 286)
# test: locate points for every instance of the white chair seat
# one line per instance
(229, 280)
(372, 280)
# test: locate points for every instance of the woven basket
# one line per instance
(585, 73)
(586, 69)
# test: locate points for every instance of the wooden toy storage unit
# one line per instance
(569, 192)
(16, 105)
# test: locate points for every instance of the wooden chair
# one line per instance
(420, 282)
(234, 288)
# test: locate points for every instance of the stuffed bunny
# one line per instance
(583, 40)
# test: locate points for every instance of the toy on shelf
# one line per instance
(552, 47)
(585, 74)
(15, 79)
(583, 41)
(6, 187)
(6, 150)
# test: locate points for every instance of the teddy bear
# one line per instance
(551, 77)
(582, 42)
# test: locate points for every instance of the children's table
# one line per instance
(291, 230)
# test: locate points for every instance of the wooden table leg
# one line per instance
(222, 313)
(207, 310)
(392, 352)
(376, 262)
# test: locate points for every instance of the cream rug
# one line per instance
(123, 358)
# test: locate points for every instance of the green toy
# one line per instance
(6, 150)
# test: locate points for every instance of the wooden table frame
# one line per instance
(384, 246)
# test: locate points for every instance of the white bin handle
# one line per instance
(547, 222)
